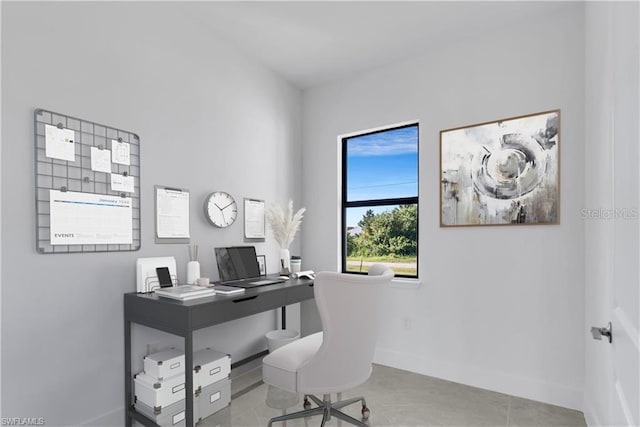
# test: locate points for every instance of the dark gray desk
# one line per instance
(182, 318)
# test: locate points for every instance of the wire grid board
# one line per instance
(77, 176)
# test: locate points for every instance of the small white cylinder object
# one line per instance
(296, 264)
(193, 272)
(280, 337)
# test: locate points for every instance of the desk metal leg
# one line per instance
(284, 317)
(127, 373)
(188, 367)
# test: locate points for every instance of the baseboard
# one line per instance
(590, 416)
(110, 419)
(528, 388)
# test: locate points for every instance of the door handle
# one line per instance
(598, 333)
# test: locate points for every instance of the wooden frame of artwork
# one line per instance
(504, 172)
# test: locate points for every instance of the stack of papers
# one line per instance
(185, 292)
(227, 290)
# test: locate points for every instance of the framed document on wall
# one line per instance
(254, 224)
(172, 215)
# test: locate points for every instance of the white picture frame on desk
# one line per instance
(262, 263)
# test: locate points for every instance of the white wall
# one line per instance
(499, 307)
(209, 119)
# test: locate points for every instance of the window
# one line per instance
(380, 200)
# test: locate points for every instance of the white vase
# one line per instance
(285, 261)
(193, 272)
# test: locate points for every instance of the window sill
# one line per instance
(404, 283)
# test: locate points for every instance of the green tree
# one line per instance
(391, 233)
(352, 245)
(367, 219)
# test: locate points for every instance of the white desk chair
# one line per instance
(339, 358)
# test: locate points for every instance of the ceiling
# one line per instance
(315, 42)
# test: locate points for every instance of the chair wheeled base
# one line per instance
(328, 410)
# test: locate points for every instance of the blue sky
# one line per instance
(380, 166)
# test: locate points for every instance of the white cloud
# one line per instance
(400, 141)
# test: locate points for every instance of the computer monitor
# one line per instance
(237, 263)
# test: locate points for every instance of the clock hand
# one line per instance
(226, 206)
(216, 205)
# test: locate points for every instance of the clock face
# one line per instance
(220, 209)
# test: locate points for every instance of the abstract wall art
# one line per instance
(505, 172)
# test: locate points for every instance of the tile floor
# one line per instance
(396, 398)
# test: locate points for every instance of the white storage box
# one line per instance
(156, 393)
(172, 415)
(210, 366)
(164, 364)
(213, 398)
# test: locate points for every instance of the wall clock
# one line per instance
(220, 209)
